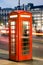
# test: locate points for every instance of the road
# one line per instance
(37, 49)
(4, 46)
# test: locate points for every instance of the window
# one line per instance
(12, 23)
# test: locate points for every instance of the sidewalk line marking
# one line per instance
(35, 58)
(35, 46)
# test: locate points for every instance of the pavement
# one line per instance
(37, 53)
(33, 62)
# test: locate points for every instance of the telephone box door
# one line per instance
(25, 39)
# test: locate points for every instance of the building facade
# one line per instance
(4, 14)
(37, 14)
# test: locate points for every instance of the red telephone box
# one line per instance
(20, 35)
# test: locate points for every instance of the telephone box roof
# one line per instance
(20, 11)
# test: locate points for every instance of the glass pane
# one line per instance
(13, 40)
(12, 27)
(13, 48)
(25, 48)
(12, 36)
(13, 23)
(25, 23)
(25, 28)
(26, 52)
(25, 44)
(12, 31)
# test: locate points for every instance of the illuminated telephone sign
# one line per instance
(20, 35)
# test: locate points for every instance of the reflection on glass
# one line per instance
(12, 27)
(12, 36)
(25, 44)
(25, 37)
(26, 28)
(13, 44)
(13, 23)
(26, 52)
(13, 48)
(12, 31)
(25, 23)
(13, 40)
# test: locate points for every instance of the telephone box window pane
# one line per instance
(25, 44)
(13, 23)
(12, 27)
(25, 48)
(12, 31)
(25, 37)
(25, 52)
(26, 27)
(13, 48)
(12, 35)
(13, 40)
(25, 23)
